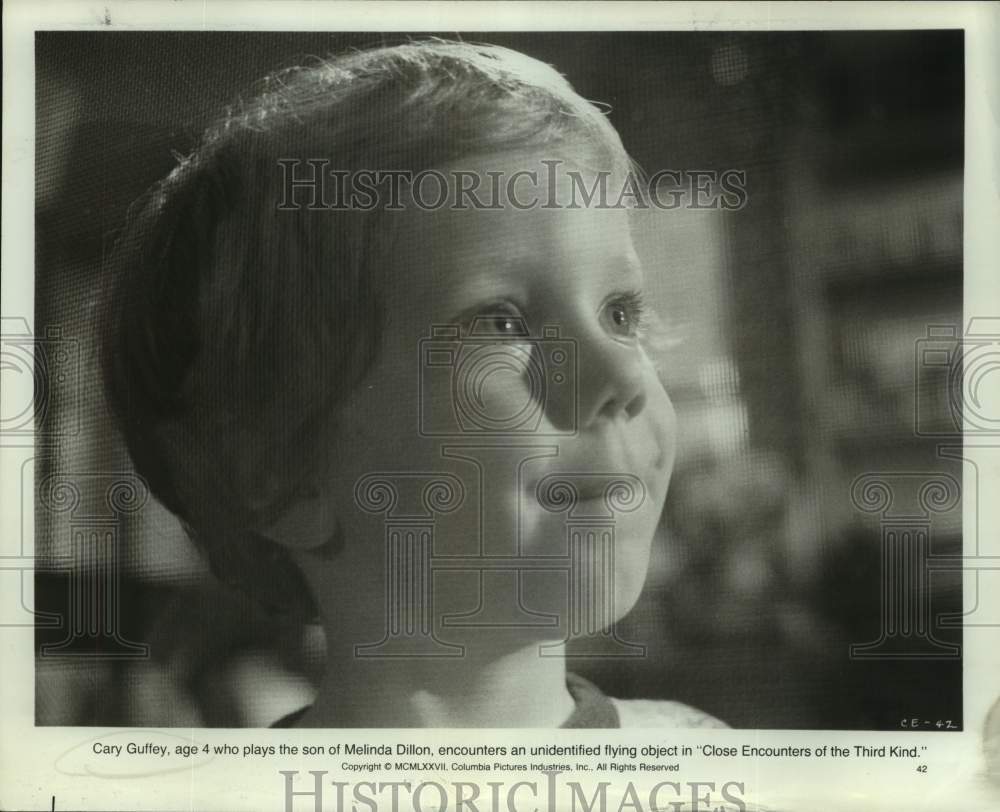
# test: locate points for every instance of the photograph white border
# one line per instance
(42, 766)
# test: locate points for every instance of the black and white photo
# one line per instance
(505, 382)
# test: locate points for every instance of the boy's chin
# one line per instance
(544, 608)
(589, 604)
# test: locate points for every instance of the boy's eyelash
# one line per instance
(635, 303)
(497, 308)
(647, 325)
(650, 328)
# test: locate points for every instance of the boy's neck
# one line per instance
(515, 689)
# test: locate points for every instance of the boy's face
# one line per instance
(531, 432)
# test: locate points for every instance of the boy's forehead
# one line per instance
(451, 245)
(447, 264)
(561, 159)
(519, 203)
(517, 178)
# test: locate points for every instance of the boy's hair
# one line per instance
(235, 329)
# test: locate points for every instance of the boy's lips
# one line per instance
(590, 478)
(598, 494)
(593, 484)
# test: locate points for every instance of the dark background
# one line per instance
(795, 368)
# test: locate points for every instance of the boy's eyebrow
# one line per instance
(632, 269)
(504, 280)
(493, 286)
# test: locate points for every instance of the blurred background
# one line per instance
(795, 323)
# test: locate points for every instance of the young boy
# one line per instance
(378, 344)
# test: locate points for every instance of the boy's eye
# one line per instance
(499, 321)
(624, 313)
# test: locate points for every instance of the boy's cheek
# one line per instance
(481, 392)
(621, 563)
(662, 418)
(384, 405)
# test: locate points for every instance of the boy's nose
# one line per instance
(611, 383)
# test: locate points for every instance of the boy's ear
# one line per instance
(308, 526)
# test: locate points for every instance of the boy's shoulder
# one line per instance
(662, 713)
